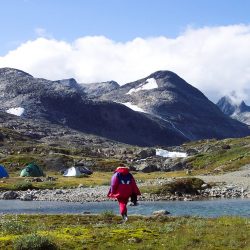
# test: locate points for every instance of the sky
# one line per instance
(206, 42)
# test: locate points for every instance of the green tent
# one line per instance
(32, 170)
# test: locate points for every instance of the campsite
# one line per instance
(91, 231)
(124, 125)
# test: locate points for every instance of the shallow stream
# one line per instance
(208, 208)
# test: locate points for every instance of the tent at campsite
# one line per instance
(32, 170)
(3, 172)
(84, 170)
(73, 171)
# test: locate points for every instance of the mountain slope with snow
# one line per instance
(161, 109)
(237, 110)
(65, 103)
(169, 98)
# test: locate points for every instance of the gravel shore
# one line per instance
(229, 185)
(240, 178)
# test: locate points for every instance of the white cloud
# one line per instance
(41, 32)
(213, 59)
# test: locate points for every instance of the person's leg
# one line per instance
(123, 208)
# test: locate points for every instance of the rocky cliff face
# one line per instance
(238, 111)
(97, 89)
(161, 109)
(61, 102)
(167, 97)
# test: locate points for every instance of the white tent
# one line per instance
(73, 171)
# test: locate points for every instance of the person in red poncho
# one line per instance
(123, 187)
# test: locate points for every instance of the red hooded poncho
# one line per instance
(123, 184)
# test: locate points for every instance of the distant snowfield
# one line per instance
(165, 153)
(133, 107)
(149, 84)
(15, 111)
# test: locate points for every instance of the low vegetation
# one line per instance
(210, 157)
(219, 156)
(182, 185)
(24, 183)
(106, 231)
(35, 242)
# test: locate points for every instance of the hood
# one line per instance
(122, 170)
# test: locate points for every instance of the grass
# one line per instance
(226, 160)
(106, 232)
(97, 178)
(217, 158)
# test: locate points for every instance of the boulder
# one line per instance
(26, 197)
(56, 162)
(10, 195)
(37, 179)
(161, 212)
(192, 151)
(146, 167)
(146, 153)
(173, 164)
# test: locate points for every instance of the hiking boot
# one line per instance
(124, 217)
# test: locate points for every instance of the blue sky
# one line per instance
(206, 42)
(119, 20)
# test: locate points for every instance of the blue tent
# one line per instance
(3, 172)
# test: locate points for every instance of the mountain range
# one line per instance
(237, 110)
(161, 109)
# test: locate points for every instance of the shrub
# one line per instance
(23, 186)
(34, 242)
(182, 185)
(13, 227)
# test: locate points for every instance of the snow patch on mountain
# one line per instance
(150, 83)
(133, 107)
(15, 111)
(165, 153)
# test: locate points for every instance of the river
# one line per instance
(205, 208)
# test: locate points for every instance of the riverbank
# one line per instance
(99, 193)
(229, 185)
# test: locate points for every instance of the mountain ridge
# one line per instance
(238, 111)
(65, 105)
(177, 102)
(173, 110)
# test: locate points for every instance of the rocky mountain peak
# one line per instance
(163, 74)
(243, 107)
(229, 106)
(97, 89)
(160, 109)
(165, 96)
(226, 105)
(71, 82)
(10, 72)
(237, 110)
